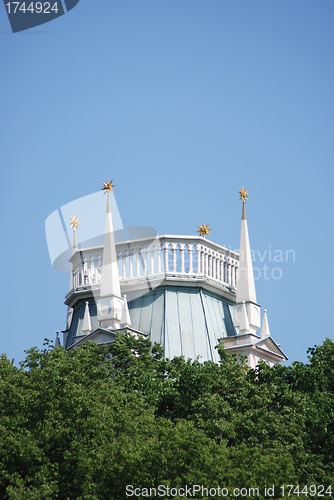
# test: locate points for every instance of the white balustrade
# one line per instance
(170, 255)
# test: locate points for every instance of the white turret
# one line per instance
(111, 307)
(265, 332)
(244, 323)
(245, 286)
(87, 323)
(246, 295)
(57, 341)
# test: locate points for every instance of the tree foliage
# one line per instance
(80, 425)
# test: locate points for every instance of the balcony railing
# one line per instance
(169, 255)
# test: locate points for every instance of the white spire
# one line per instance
(245, 286)
(111, 307)
(244, 323)
(87, 324)
(126, 320)
(57, 341)
(246, 305)
(265, 332)
(110, 279)
(74, 222)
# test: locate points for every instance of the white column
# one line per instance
(99, 268)
(138, 262)
(85, 274)
(174, 257)
(190, 253)
(92, 270)
(144, 253)
(131, 263)
(151, 250)
(221, 268)
(124, 263)
(165, 249)
(182, 257)
(159, 258)
(199, 259)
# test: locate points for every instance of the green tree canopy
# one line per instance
(86, 423)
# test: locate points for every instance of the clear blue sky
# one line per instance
(181, 103)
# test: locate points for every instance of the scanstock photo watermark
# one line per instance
(25, 15)
(268, 263)
(200, 491)
(273, 257)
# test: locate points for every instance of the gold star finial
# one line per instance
(108, 187)
(74, 221)
(204, 230)
(243, 194)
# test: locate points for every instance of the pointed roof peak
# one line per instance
(110, 284)
(87, 324)
(245, 285)
(244, 322)
(57, 341)
(265, 332)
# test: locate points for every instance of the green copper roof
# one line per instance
(186, 321)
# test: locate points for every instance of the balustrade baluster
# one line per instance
(99, 265)
(199, 259)
(92, 270)
(174, 257)
(131, 263)
(182, 257)
(152, 251)
(85, 276)
(159, 259)
(165, 249)
(124, 264)
(229, 273)
(138, 262)
(221, 269)
(190, 253)
(144, 253)
(206, 263)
